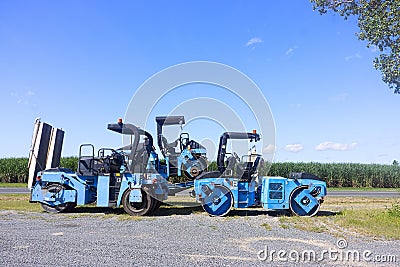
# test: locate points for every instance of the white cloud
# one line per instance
(294, 148)
(335, 146)
(23, 99)
(30, 93)
(254, 40)
(290, 51)
(351, 57)
(270, 148)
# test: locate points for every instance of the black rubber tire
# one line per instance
(157, 205)
(203, 164)
(137, 208)
(57, 208)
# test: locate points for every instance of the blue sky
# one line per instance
(76, 64)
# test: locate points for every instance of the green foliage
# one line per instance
(395, 163)
(15, 170)
(394, 210)
(14, 185)
(18, 202)
(212, 166)
(344, 174)
(267, 226)
(335, 174)
(178, 179)
(370, 222)
(69, 162)
(379, 25)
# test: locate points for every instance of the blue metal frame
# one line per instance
(244, 193)
(79, 191)
(85, 192)
(187, 159)
(274, 198)
(273, 193)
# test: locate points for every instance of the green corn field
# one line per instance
(344, 174)
(14, 170)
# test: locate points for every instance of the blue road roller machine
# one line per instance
(183, 156)
(132, 176)
(135, 177)
(237, 184)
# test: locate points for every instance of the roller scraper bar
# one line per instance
(45, 151)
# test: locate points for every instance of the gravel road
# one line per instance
(195, 239)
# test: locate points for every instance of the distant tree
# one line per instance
(395, 163)
(379, 23)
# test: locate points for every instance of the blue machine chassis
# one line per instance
(83, 190)
(217, 195)
(301, 196)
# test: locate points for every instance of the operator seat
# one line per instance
(169, 147)
(249, 169)
(230, 164)
(142, 157)
(88, 166)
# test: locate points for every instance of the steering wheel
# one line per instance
(114, 153)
